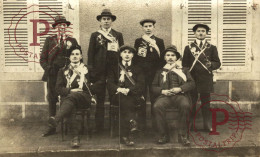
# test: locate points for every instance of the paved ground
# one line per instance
(23, 139)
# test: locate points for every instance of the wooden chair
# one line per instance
(114, 119)
(84, 113)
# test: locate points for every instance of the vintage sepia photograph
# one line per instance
(129, 78)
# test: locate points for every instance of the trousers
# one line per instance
(179, 101)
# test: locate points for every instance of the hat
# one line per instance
(172, 49)
(200, 25)
(124, 47)
(60, 19)
(106, 12)
(147, 20)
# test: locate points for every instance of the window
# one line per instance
(20, 53)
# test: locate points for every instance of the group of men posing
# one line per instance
(128, 73)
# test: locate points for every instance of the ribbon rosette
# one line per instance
(69, 44)
(122, 76)
(164, 73)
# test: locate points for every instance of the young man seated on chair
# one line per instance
(171, 86)
(125, 84)
(75, 92)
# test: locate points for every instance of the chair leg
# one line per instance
(66, 127)
(62, 131)
(112, 126)
(83, 122)
(88, 127)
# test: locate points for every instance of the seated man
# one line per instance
(125, 85)
(171, 86)
(75, 91)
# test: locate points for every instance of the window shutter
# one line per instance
(15, 36)
(48, 10)
(235, 35)
(13, 56)
(195, 12)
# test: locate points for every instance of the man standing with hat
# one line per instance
(125, 85)
(149, 58)
(171, 87)
(102, 55)
(201, 58)
(55, 55)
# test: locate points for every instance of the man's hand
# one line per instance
(208, 64)
(76, 90)
(122, 90)
(167, 92)
(176, 90)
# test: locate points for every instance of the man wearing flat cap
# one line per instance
(125, 85)
(149, 57)
(102, 55)
(171, 87)
(55, 55)
(201, 58)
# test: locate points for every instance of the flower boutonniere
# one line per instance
(100, 40)
(193, 51)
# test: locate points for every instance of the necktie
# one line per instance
(61, 40)
(201, 44)
(126, 65)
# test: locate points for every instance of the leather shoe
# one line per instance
(133, 126)
(163, 139)
(52, 122)
(49, 131)
(184, 140)
(75, 142)
(127, 141)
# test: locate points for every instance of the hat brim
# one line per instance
(200, 25)
(55, 24)
(147, 20)
(127, 48)
(178, 55)
(113, 17)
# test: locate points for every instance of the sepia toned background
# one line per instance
(234, 30)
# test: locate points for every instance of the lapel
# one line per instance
(113, 32)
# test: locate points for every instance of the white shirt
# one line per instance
(106, 30)
(198, 41)
(124, 62)
(73, 64)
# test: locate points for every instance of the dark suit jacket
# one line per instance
(203, 79)
(158, 84)
(82, 98)
(137, 75)
(152, 58)
(152, 62)
(52, 58)
(97, 54)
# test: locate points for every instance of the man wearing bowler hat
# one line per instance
(201, 58)
(149, 58)
(102, 55)
(55, 55)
